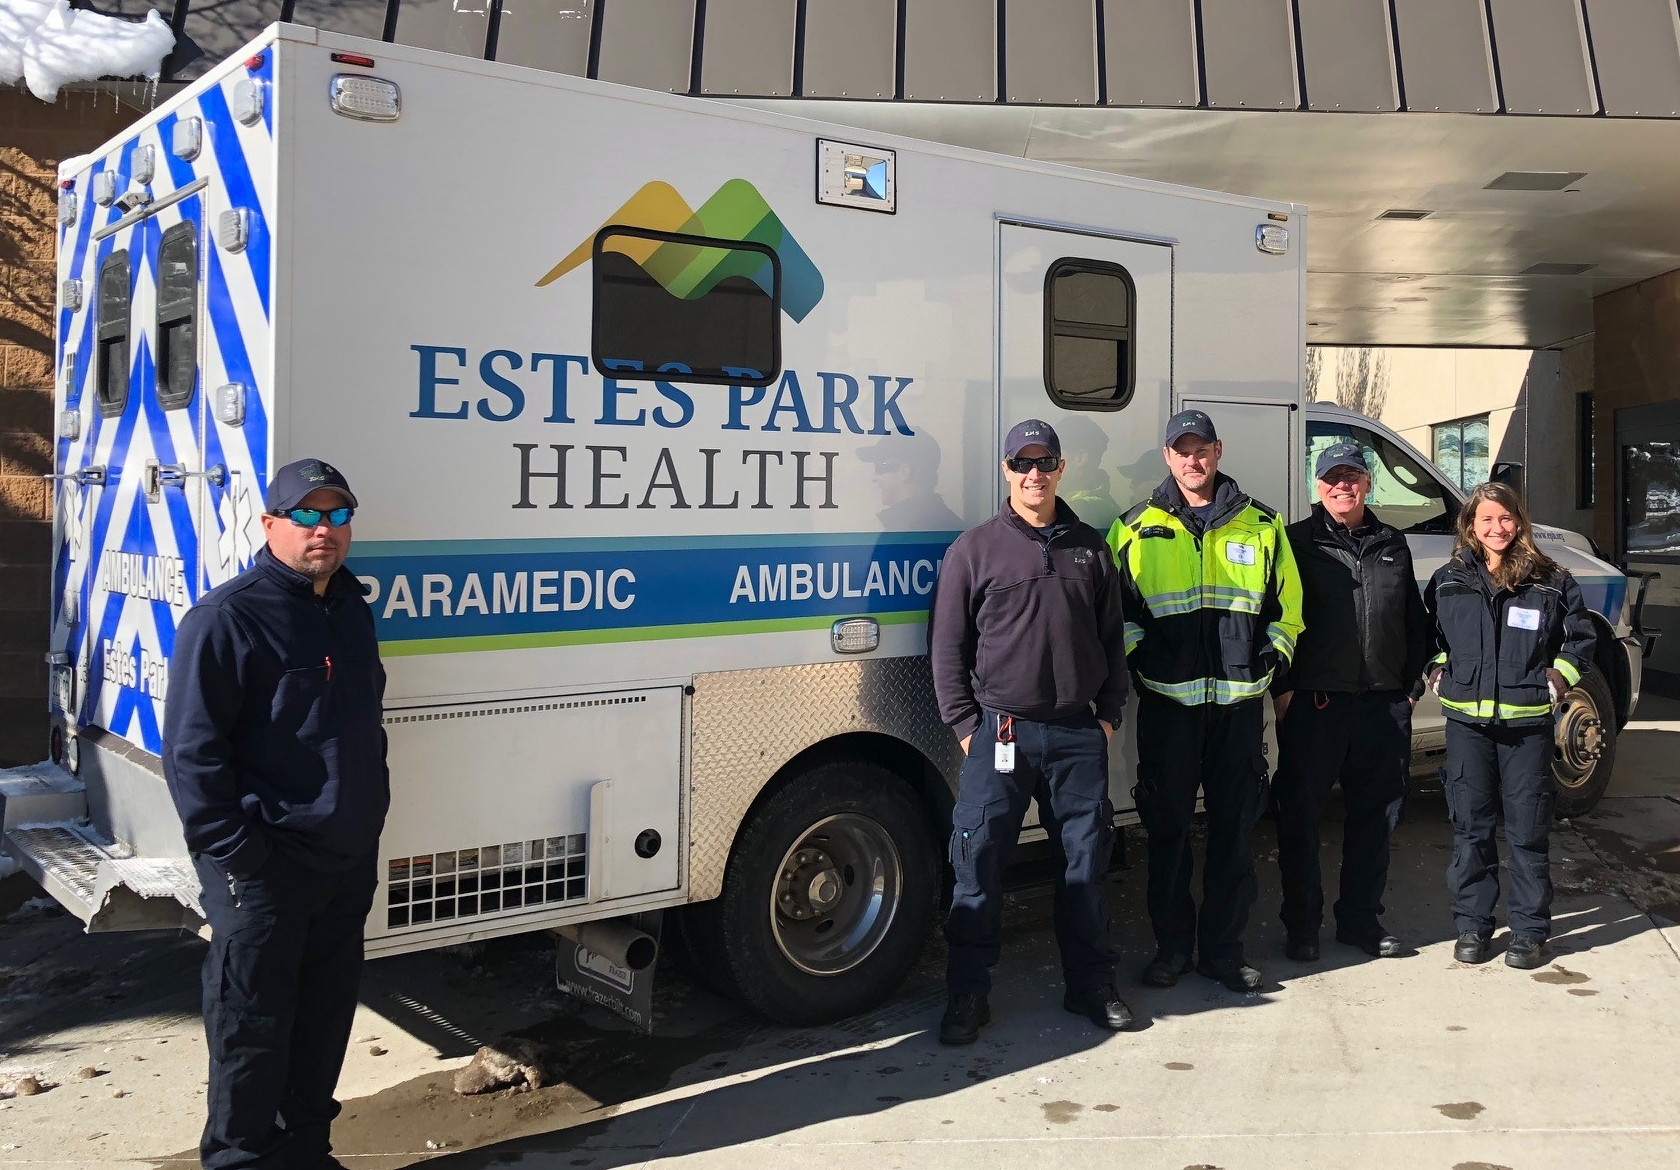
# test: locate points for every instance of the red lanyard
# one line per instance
(1006, 729)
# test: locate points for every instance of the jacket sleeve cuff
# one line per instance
(1417, 690)
(1570, 672)
(247, 857)
(967, 725)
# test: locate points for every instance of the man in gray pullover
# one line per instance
(1027, 643)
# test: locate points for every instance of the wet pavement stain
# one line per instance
(1559, 976)
(1061, 1112)
(1461, 1110)
(1106, 1108)
(1479, 1166)
(1582, 991)
(1179, 1066)
(1457, 1028)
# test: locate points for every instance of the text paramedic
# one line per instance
(538, 591)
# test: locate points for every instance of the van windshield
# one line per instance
(1404, 492)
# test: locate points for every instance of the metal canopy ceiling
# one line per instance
(1472, 273)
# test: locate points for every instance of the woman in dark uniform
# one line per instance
(1515, 636)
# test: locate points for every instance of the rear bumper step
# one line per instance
(43, 815)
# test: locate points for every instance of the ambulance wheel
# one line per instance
(1585, 750)
(828, 898)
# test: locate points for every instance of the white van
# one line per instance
(662, 415)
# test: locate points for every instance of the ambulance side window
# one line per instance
(1090, 311)
(177, 316)
(687, 308)
(111, 337)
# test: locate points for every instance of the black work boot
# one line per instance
(964, 1016)
(1235, 974)
(1525, 954)
(1302, 946)
(1165, 968)
(1471, 948)
(1101, 1005)
(1381, 945)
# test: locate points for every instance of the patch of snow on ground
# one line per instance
(50, 45)
(7, 867)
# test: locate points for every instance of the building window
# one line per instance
(1461, 451)
(686, 308)
(1586, 459)
(177, 316)
(111, 336)
(1089, 315)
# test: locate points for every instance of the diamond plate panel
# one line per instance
(748, 723)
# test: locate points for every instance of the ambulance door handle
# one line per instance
(86, 476)
(177, 475)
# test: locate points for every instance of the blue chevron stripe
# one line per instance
(236, 179)
(224, 323)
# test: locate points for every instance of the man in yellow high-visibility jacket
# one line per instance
(1213, 607)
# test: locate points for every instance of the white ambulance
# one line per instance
(662, 414)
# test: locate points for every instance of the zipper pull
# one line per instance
(329, 668)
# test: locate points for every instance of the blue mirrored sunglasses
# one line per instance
(312, 517)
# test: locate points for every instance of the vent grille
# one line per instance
(512, 709)
(1535, 180)
(491, 879)
(1406, 213)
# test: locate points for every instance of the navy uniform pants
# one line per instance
(280, 986)
(1064, 766)
(1217, 750)
(1489, 770)
(1364, 743)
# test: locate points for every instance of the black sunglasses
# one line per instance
(1022, 464)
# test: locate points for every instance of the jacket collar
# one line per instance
(1065, 517)
(1228, 499)
(293, 581)
(1326, 528)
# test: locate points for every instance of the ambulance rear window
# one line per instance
(177, 316)
(1089, 315)
(111, 354)
(686, 308)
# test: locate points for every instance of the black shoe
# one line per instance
(965, 1014)
(1233, 973)
(1378, 946)
(1302, 947)
(1165, 968)
(1471, 948)
(1101, 1005)
(1525, 954)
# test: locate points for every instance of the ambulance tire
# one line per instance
(839, 818)
(1589, 715)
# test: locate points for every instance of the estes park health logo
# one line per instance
(736, 212)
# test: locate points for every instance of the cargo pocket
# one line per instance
(1452, 785)
(968, 837)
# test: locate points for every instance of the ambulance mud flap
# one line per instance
(611, 963)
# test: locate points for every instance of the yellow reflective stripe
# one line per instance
(1439, 659)
(1192, 692)
(1282, 639)
(1488, 709)
(1204, 597)
(1225, 691)
(1567, 669)
(1134, 635)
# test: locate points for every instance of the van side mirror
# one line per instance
(1509, 474)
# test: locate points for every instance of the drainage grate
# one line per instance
(491, 879)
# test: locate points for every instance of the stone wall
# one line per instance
(34, 136)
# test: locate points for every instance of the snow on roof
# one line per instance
(48, 45)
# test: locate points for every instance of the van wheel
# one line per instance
(828, 898)
(1585, 748)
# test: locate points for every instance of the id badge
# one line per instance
(1523, 619)
(1003, 756)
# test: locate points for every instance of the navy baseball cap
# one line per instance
(296, 480)
(1344, 454)
(1189, 422)
(1031, 432)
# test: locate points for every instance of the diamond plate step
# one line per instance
(102, 882)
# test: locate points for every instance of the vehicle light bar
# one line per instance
(369, 99)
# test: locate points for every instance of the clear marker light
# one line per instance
(371, 99)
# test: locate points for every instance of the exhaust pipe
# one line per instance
(615, 940)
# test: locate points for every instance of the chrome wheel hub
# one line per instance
(836, 894)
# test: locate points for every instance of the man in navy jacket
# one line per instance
(274, 751)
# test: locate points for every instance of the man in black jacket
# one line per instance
(274, 751)
(1344, 707)
(1027, 645)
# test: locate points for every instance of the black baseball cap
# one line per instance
(1189, 422)
(1344, 454)
(294, 481)
(1031, 432)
